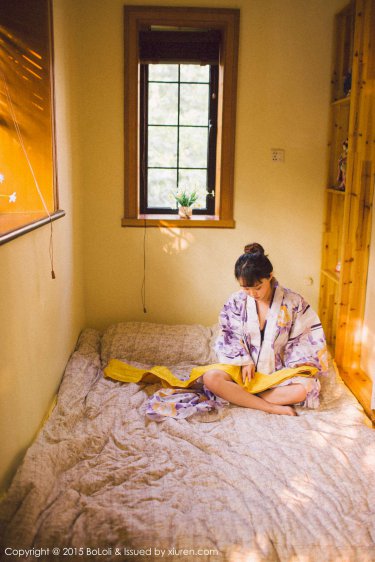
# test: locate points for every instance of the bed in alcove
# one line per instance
(228, 485)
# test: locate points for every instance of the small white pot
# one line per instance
(185, 212)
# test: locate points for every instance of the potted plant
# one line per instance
(186, 197)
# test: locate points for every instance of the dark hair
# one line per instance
(253, 265)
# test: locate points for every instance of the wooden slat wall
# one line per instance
(347, 235)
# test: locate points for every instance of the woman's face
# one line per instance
(261, 291)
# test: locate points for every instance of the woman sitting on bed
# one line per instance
(265, 328)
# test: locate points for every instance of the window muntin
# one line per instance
(178, 140)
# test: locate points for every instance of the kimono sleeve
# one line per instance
(306, 344)
(231, 346)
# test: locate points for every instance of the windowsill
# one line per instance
(13, 225)
(173, 221)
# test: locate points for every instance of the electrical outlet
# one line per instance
(277, 154)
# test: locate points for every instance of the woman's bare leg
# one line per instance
(222, 385)
(290, 394)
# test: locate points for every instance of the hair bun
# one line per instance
(254, 248)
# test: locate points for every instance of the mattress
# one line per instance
(104, 482)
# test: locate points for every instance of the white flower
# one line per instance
(13, 197)
(2, 178)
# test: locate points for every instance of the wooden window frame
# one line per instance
(227, 22)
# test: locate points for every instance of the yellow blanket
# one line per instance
(123, 372)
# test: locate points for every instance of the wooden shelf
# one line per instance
(331, 274)
(341, 101)
(335, 191)
(348, 214)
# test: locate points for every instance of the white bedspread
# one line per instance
(238, 485)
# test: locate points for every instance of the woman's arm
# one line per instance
(306, 344)
(232, 346)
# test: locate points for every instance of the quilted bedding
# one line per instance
(102, 482)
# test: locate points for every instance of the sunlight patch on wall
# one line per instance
(358, 332)
(178, 240)
(368, 354)
(368, 357)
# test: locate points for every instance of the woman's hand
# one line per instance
(248, 372)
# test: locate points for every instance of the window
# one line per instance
(179, 113)
(178, 134)
(28, 186)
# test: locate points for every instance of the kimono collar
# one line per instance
(266, 358)
(265, 361)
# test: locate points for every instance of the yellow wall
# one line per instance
(40, 318)
(283, 101)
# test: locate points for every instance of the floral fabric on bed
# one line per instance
(180, 403)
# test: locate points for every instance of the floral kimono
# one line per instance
(293, 336)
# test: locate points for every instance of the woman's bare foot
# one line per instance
(283, 410)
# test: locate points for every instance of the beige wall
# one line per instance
(40, 318)
(283, 100)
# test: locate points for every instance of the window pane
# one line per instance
(162, 104)
(194, 104)
(161, 183)
(173, 104)
(162, 146)
(193, 147)
(192, 178)
(194, 73)
(163, 72)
